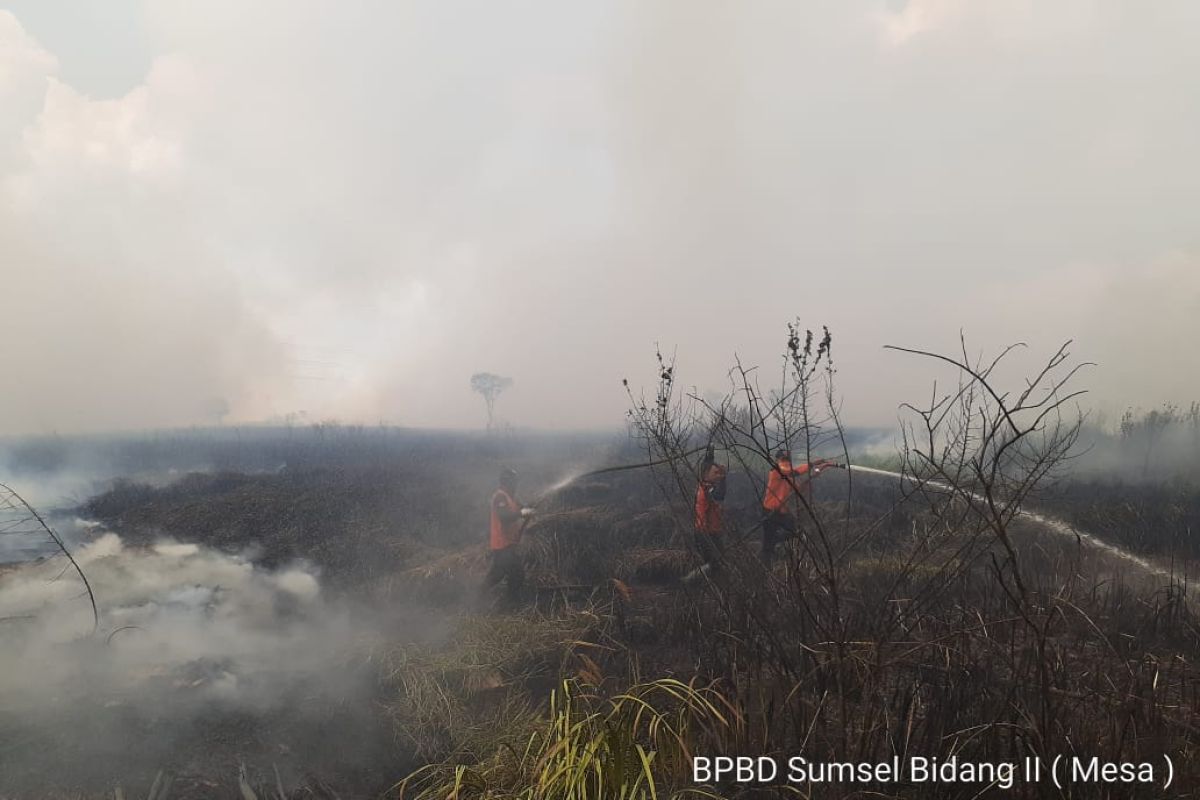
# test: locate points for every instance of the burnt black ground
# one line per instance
(362, 505)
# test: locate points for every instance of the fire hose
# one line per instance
(655, 463)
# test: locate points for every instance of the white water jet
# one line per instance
(1053, 524)
(566, 481)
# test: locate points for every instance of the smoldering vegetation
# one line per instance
(938, 620)
(243, 607)
(1146, 446)
(1137, 484)
(202, 662)
(919, 651)
(315, 608)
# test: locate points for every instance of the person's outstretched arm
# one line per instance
(507, 512)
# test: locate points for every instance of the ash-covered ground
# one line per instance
(303, 608)
(246, 585)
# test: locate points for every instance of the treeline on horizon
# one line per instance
(1143, 446)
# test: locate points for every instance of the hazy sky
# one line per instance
(347, 208)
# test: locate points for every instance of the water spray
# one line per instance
(1052, 524)
(1049, 523)
(565, 482)
(570, 479)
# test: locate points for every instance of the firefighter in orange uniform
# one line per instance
(508, 520)
(783, 482)
(710, 523)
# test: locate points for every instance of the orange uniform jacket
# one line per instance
(504, 534)
(781, 483)
(708, 510)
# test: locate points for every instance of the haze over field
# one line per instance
(240, 211)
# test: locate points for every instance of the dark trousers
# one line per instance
(777, 527)
(711, 547)
(508, 566)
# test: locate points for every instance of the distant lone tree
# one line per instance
(216, 409)
(490, 386)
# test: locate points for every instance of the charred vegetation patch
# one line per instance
(909, 614)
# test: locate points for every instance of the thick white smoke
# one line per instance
(349, 208)
(192, 644)
(163, 608)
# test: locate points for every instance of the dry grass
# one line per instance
(906, 645)
(633, 745)
(478, 689)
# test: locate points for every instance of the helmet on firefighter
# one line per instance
(508, 476)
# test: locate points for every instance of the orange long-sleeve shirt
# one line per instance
(782, 482)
